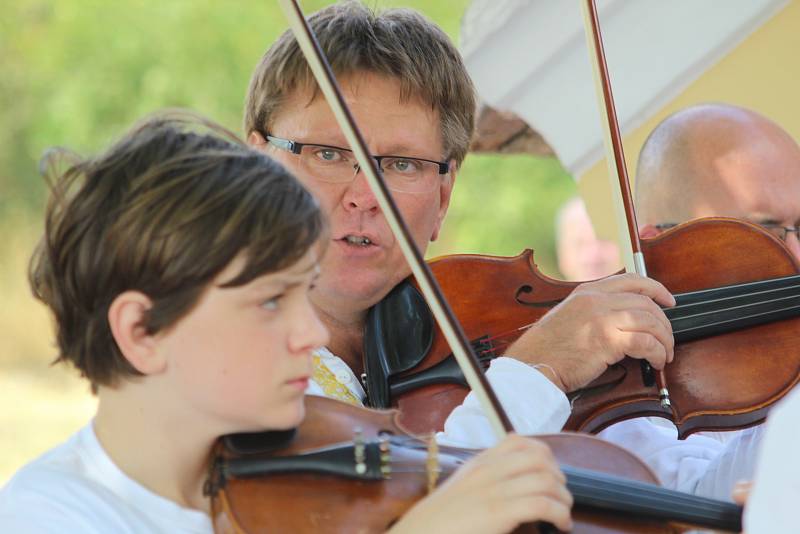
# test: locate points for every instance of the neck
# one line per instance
(153, 445)
(346, 335)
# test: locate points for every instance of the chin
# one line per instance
(288, 418)
(365, 287)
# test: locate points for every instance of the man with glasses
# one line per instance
(720, 160)
(338, 165)
(413, 100)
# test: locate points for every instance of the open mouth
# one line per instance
(357, 240)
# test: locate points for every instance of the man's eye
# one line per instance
(405, 166)
(328, 155)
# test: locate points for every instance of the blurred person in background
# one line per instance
(581, 254)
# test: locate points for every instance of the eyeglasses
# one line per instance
(334, 164)
(778, 230)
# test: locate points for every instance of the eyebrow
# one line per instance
(769, 219)
(397, 149)
(400, 149)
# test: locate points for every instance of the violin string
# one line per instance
(615, 489)
(743, 318)
(506, 342)
(497, 347)
(703, 296)
(613, 497)
(733, 308)
(508, 332)
(676, 310)
(613, 492)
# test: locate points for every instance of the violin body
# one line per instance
(311, 500)
(717, 381)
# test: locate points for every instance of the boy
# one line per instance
(178, 266)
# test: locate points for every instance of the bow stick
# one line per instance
(615, 158)
(451, 328)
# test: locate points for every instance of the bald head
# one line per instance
(717, 159)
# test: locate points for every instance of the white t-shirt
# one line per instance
(76, 488)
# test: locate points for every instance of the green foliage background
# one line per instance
(77, 73)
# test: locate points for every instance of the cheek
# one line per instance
(421, 214)
(327, 194)
(228, 375)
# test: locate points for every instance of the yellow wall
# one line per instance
(761, 74)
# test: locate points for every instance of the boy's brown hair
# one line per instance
(163, 211)
(398, 43)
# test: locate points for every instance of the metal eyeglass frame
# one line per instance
(295, 148)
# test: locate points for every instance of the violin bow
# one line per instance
(451, 328)
(615, 158)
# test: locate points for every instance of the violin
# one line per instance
(736, 325)
(738, 299)
(321, 477)
(351, 469)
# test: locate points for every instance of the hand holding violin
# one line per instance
(516, 482)
(597, 325)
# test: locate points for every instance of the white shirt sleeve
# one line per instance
(699, 464)
(533, 403)
(773, 503)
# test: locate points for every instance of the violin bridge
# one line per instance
(432, 463)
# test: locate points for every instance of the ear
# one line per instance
(445, 191)
(649, 230)
(126, 317)
(256, 140)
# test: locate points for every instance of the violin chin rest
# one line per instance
(246, 443)
(397, 337)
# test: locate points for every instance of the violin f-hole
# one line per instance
(527, 289)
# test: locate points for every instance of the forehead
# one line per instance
(385, 117)
(763, 185)
(308, 265)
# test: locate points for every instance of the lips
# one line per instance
(299, 382)
(361, 239)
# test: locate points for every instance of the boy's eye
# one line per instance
(271, 304)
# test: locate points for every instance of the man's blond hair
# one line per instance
(397, 43)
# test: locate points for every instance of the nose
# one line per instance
(308, 330)
(358, 195)
(793, 244)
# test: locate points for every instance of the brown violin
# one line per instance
(735, 323)
(296, 482)
(736, 326)
(350, 469)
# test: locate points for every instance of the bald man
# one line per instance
(715, 160)
(720, 160)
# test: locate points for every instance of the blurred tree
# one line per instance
(78, 72)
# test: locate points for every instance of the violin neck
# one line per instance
(719, 310)
(637, 499)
